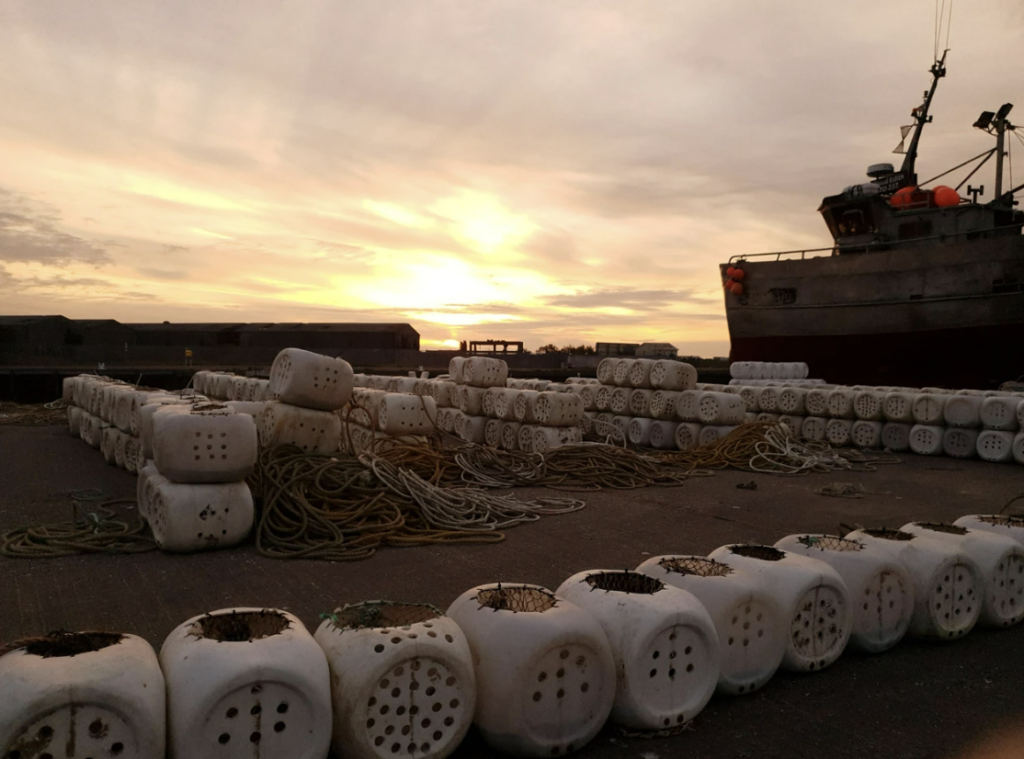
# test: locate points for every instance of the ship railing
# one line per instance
(880, 244)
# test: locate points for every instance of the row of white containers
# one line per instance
(538, 671)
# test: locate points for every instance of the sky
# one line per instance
(554, 172)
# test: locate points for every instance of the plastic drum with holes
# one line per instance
(814, 600)
(544, 672)
(246, 682)
(881, 591)
(186, 518)
(998, 524)
(948, 588)
(204, 443)
(662, 640)
(748, 621)
(403, 680)
(309, 429)
(307, 379)
(102, 694)
(1001, 561)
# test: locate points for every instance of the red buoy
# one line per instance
(946, 197)
(903, 197)
(738, 275)
(730, 271)
(736, 288)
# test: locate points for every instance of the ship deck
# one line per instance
(918, 700)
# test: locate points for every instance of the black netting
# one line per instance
(831, 543)
(382, 614)
(516, 598)
(63, 643)
(887, 533)
(764, 553)
(696, 565)
(1002, 521)
(239, 626)
(624, 582)
(952, 529)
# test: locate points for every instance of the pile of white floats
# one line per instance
(928, 421)
(539, 672)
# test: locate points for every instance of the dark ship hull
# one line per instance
(935, 313)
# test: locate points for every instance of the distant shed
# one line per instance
(29, 332)
(657, 350)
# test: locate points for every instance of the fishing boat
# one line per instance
(921, 286)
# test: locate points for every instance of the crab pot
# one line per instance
(606, 370)
(813, 597)
(74, 420)
(88, 694)
(471, 400)
(239, 389)
(1000, 413)
(712, 433)
(896, 436)
(586, 393)
(747, 620)
(400, 414)
(603, 397)
(149, 476)
(663, 434)
(639, 431)
(557, 409)
(301, 378)
(471, 428)
(455, 370)
(880, 588)
(721, 408)
(587, 423)
(446, 419)
(749, 396)
(791, 400)
(492, 432)
(368, 400)
(687, 436)
(813, 428)
(480, 371)
(768, 399)
(524, 406)
(524, 438)
(662, 404)
(997, 524)
(1018, 448)
(145, 420)
(441, 391)
(91, 429)
(688, 405)
(899, 407)
(121, 450)
(640, 402)
(510, 436)
(1000, 560)
(108, 443)
(868, 405)
(840, 403)
(866, 434)
(948, 587)
(487, 401)
(838, 431)
(640, 372)
(928, 408)
(187, 518)
(794, 423)
(960, 443)
(926, 440)
(995, 446)
(204, 443)
(311, 430)
(816, 402)
(261, 391)
(620, 377)
(545, 676)
(963, 411)
(672, 375)
(547, 438)
(243, 683)
(662, 641)
(402, 680)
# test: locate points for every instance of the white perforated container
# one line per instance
(640, 402)
(557, 409)
(487, 401)
(243, 683)
(899, 407)
(1000, 413)
(881, 590)
(928, 408)
(82, 695)
(688, 405)
(926, 440)
(1000, 560)
(481, 371)
(470, 400)
(866, 434)
(816, 402)
(492, 432)
(687, 436)
(750, 399)
(618, 400)
(721, 409)
(523, 405)
(663, 643)
(606, 371)
(510, 436)
(712, 433)
(997, 524)
(1018, 448)
(640, 372)
(840, 403)
(471, 429)
(814, 600)
(963, 411)
(662, 404)
(400, 414)
(673, 375)
(187, 518)
(663, 434)
(311, 430)
(455, 369)
(544, 671)
(813, 428)
(791, 400)
(621, 373)
(995, 446)
(747, 620)
(948, 587)
(639, 431)
(838, 432)
(204, 443)
(768, 399)
(302, 378)
(869, 405)
(441, 390)
(960, 443)
(402, 681)
(795, 424)
(549, 438)
(896, 436)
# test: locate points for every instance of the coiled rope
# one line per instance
(33, 414)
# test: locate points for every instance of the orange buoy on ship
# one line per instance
(903, 197)
(738, 275)
(736, 288)
(946, 197)
(730, 271)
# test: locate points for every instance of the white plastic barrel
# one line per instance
(549, 438)
(813, 428)
(640, 372)
(928, 408)
(400, 414)
(721, 409)
(620, 376)
(750, 398)
(510, 436)
(311, 430)
(1000, 413)
(441, 390)
(618, 402)
(673, 375)
(557, 409)
(204, 443)
(663, 434)
(865, 434)
(302, 378)
(713, 432)
(640, 402)
(687, 436)
(926, 440)
(603, 397)
(816, 402)
(471, 428)
(963, 411)
(868, 405)
(688, 405)
(663, 404)
(791, 400)
(960, 443)
(186, 518)
(840, 403)
(470, 400)
(838, 431)
(899, 407)
(492, 432)
(995, 446)
(606, 371)
(896, 436)
(768, 399)
(639, 431)
(998, 524)
(481, 371)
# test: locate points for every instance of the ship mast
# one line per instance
(921, 117)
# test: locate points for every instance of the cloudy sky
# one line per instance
(522, 169)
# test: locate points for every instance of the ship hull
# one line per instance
(944, 314)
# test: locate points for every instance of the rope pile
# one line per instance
(103, 529)
(32, 414)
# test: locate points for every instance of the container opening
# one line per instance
(516, 598)
(831, 543)
(886, 533)
(61, 643)
(382, 614)
(624, 582)
(696, 565)
(763, 553)
(952, 529)
(241, 626)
